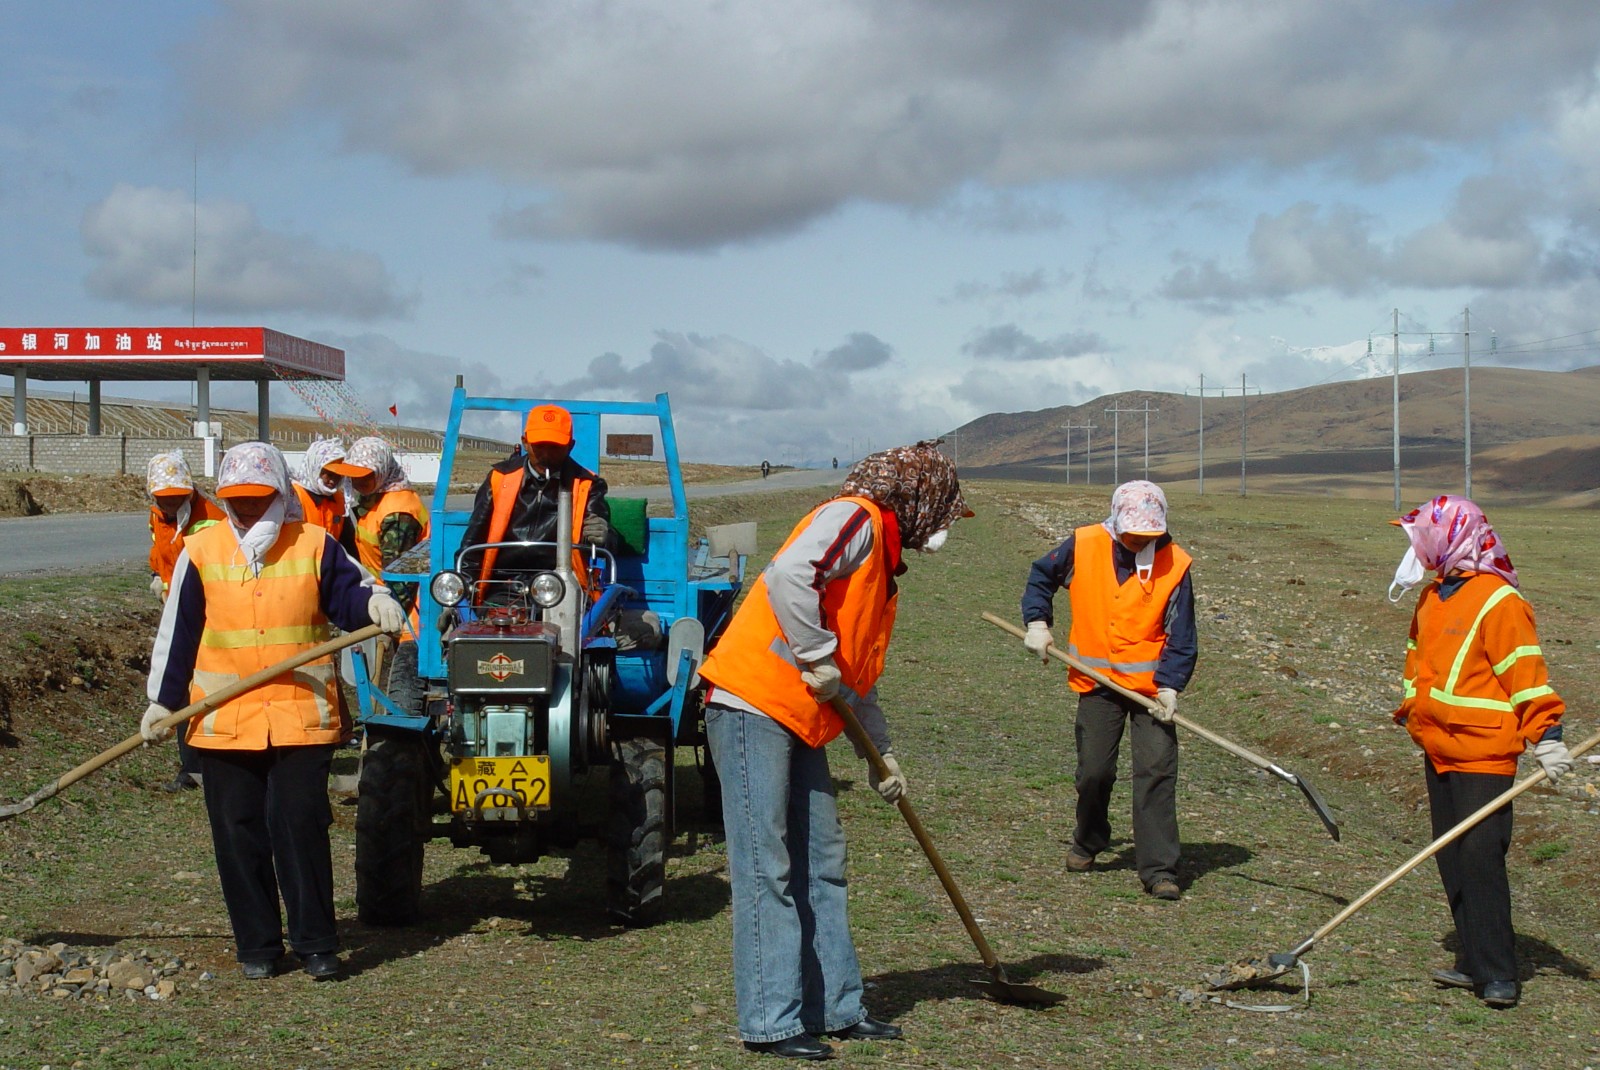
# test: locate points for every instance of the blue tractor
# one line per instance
(522, 686)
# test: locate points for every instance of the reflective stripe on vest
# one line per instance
(165, 543)
(1119, 629)
(253, 621)
(369, 527)
(1447, 696)
(754, 661)
(503, 490)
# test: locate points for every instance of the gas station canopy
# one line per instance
(171, 353)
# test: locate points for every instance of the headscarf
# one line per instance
(917, 483)
(319, 454)
(169, 471)
(1138, 506)
(374, 453)
(1451, 533)
(258, 462)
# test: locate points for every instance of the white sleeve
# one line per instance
(836, 543)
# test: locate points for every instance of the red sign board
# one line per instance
(70, 345)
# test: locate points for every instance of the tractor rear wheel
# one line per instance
(393, 815)
(636, 832)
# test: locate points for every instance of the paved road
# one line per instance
(36, 544)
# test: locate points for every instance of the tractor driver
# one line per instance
(517, 501)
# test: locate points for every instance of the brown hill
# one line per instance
(1535, 437)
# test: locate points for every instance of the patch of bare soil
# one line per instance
(57, 664)
(33, 494)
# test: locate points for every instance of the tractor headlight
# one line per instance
(448, 588)
(548, 590)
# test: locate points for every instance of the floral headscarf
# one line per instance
(258, 462)
(169, 471)
(319, 454)
(1138, 505)
(1451, 533)
(374, 453)
(918, 483)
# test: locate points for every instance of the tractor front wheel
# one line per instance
(393, 816)
(636, 832)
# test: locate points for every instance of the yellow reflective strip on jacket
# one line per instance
(298, 634)
(1515, 656)
(1467, 640)
(271, 570)
(1444, 698)
(1532, 693)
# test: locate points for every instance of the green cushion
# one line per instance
(629, 523)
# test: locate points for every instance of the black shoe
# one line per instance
(323, 965)
(869, 1028)
(803, 1046)
(1500, 994)
(1166, 889)
(181, 782)
(259, 970)
(1452, 979)
(1079, 862)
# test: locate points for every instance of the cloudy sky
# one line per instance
(821, 226)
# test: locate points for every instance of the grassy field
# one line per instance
(515, 966)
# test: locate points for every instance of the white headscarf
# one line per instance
(1139, 506)
(169, 471)
(258, 462)
(319, 454)
(374, 453)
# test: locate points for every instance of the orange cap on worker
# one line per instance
(548, 423)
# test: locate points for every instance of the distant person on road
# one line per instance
(1133, 620)
(389, 516)
(836, 462)
(517, 501)
(178, 511)
(815, 626)
(766, 469)
(1476, 694)
(321, 489)
(247, 594)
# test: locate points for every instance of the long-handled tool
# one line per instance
(998, 987)
(1252, 971)
(205, 705)
(1313, 796)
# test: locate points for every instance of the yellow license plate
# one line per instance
(489, 783)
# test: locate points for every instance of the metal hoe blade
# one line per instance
(1003, 991)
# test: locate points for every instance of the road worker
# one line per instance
(321, 489)
(247, 594)
(178, 510)
(815, 626)
(517, 500)
(1476, 694)
(1133, 620)
(389, 516)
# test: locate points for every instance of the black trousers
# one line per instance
(188, 757)
(1473, 869)
(1101, 717)
(269, 827)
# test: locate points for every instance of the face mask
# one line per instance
(935, 541)
(1408, 575)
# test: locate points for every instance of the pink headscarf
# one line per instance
(1451, 533)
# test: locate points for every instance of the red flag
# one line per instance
(394, 410)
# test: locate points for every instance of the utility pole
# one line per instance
(1087, 428)
(1147, 411)
(1200, 472)
(1242, 434)
(1116, 473)
(1466, 389)
(1396, 408)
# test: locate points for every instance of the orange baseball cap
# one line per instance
(548, 423)
(246, 490)
(173, 492)
(345, 468)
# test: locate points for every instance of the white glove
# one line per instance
(892, 787)
(595, 529)
(823, 679)
(1168, 705)
(157, 586)
(1038, 639)
(147, 723)
(386, 612)
(1554, 758)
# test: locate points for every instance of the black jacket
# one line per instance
(534, 517)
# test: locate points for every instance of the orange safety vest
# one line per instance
(369, 528)
(252, 622)
(503, 488)
(1119, 629)
(324, 510)
(1476, 686)
(753, 659)
(166, 543)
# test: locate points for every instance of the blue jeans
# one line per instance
(794, 964)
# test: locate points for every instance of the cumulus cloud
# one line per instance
(672, 124)
(861, 352)
(1008, 342)
(152, 247)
